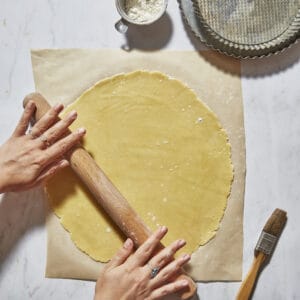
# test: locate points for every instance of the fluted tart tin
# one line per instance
(244, 28)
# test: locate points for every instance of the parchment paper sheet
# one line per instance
(62, 76)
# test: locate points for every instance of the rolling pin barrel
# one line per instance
(106, 194)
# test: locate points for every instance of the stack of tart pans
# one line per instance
(244, 28)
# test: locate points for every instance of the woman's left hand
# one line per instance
(28, 159)
(142, 275)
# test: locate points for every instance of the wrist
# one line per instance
(3, 183)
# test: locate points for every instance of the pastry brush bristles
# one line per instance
(271, 232)
(276, 222)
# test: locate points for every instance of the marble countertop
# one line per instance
(271, 94)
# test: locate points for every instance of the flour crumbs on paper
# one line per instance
(143, 11)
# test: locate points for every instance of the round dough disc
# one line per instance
(164, 150)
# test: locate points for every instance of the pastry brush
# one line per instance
(263, 251)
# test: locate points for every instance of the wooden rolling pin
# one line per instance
(106, 193)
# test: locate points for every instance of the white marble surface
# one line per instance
(271, 90)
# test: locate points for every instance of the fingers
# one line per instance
(121, 255)
(25, 119)
(62, 146)
(145, 251)
(47, 120)
(168, 289)
(166, 255)
(170, 271)
(48, 134)
(60, 128)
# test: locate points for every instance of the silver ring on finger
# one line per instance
(30, 132)
(44, 139)
(154, 271)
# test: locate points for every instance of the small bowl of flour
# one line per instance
(139, 12)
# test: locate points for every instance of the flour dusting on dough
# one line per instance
(174, 168)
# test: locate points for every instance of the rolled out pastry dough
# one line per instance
(162, 148)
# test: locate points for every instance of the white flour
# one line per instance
(143, 11)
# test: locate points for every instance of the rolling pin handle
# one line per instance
(190, 290)
(42, 106)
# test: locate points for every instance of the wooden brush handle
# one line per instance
(248, 283)
(106, 193)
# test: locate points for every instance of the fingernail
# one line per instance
(58, 107)
(181, 243)
(64, 163)
(128, 243)
(81, 130)
(163, 229)
(30, 104)
(186, 257)
(73, 114)
(184, 283)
